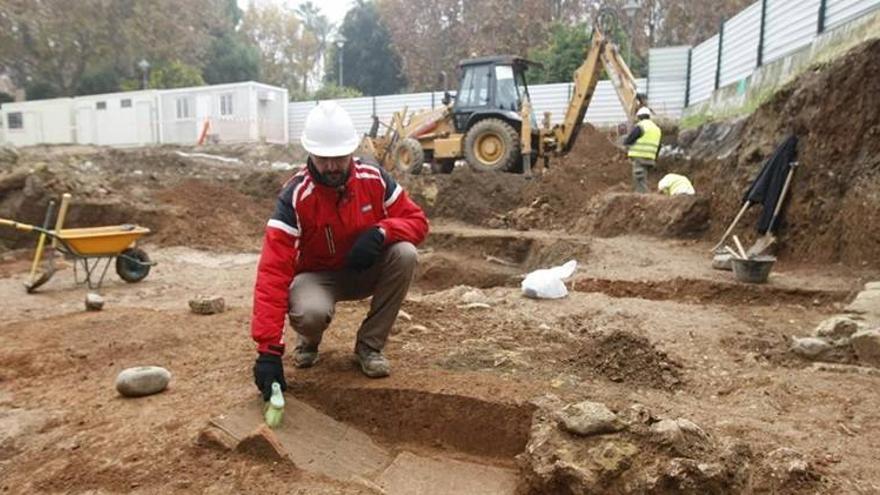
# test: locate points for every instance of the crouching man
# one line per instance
(342, 230)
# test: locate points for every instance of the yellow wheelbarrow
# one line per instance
(91, 249)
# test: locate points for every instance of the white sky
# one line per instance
(334, 9)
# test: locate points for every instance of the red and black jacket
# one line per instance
(313, 228)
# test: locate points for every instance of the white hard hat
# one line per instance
(643, 112)
(329, 131)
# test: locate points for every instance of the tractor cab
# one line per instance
(492, 86)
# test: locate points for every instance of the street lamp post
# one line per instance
(630, 7)
(340, 42)
(144, 66)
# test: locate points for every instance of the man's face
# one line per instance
(332, 168)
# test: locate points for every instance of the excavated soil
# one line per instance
(834, 211)
(624, 357)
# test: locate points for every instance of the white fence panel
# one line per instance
(789, 25)
(739, 55)
(839, 12)
(704, 60)
(297, 111)
(668, 79)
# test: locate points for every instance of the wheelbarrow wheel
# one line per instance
(130, 270)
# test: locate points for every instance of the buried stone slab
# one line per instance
(313, 441)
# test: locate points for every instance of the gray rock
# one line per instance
(721, 261)
(810, 347)
(207, 305)
(589, 418)
(866, 344)
(837, 327)
(94, 302)
(681, 434)
(142, 380)
(867, 302)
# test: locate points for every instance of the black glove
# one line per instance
(366, 250)
(268, 369)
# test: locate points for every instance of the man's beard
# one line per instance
(332, 179)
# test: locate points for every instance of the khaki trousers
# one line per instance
(313, 297)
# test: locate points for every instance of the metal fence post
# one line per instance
(720, 51)
(822, 6)
(761, 33)
(687, 84)
(374, 105)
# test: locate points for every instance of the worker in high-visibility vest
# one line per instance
(644, 144)
(675, 185)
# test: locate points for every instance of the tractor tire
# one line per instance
(492, 145)
(129, 270)
(443, 166)
(408, 156)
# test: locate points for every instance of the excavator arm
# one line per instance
(602, 54)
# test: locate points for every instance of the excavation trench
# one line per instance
(399, 441)
(500, 258)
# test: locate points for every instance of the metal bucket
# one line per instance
(755, 270)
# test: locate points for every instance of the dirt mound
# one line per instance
(628, 358)
(834, 211)
(621, 213)
(210, 216)
(555, 199)
(185, 198)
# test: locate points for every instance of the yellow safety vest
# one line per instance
(647, 145)
(674, 185)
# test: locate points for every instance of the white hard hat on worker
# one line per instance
(643, 112)
(329, 131)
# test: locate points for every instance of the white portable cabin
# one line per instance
(226, 113)
(27, 123)
(117, 119)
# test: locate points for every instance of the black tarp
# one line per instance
(767, 186)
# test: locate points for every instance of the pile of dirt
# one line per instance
(834, 211)
(210, 216)
(189, 199)
(554, 199)
(652, 214)
(627, 358)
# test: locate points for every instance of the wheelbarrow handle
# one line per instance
(25, 227)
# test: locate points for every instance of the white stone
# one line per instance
(94, 302)
(142, 380)
(809, 347)
(589, 418)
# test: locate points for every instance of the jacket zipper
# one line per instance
(331, 244)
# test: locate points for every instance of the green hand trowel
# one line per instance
(275, 407)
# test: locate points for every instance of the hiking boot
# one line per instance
(373, 363)
(305, 357)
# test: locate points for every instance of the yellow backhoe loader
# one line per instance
(490, 122)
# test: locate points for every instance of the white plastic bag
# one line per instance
(546, 283)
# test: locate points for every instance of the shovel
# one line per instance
(38, 280)
(34, 280)
(766, 240)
